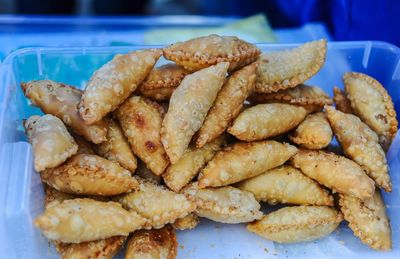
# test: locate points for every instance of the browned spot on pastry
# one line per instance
(381, 117)
(150, 146)
(139, 120)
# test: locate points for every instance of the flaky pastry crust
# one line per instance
(141, 121)
(335, 172)
(90, 175)
(368, 220)
(202, 52)
(285, 69)
(297, 224)
(114, 82)
(371, 102)
(242, 160)
(286, 184)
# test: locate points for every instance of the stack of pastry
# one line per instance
(222, 129)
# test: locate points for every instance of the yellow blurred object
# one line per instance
(255, 28)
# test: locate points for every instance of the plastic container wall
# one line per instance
(21, 193)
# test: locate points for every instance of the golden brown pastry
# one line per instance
(368, 220)
(335, 172)
(297, 224)
(202, 52)
(90, 175)
(244, 160)
(154, 243)
(342, 103)
(225, 204)
(371, 102)
(103, 248)
(114, 82)
(159, 94)
(141, 121)
(165, 76)
(190, 221)
(62, 101)
(80, 220)
(286, 184)
(227, 105)
(182, 172)
(285, 69)
(361, 144)
(117, 147)
(267, 120)
(162, 82)
(314, 132)
(188, 108)
(303, 95)
(157, 204)
(51, 142)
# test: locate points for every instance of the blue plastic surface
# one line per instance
(43, 31)
(21, 194)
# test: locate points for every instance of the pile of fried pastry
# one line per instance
(144, 149)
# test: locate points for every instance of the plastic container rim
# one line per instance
(81, 49)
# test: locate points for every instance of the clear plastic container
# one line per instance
(21, 194)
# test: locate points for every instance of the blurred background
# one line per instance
(26, 23)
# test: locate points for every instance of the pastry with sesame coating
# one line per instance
(103, 248)
(335, 172)
(156, 203)
(62, 101)
(368, 220)
(202, 52)
(162, 81)
(371, 102)
(90, 175)
(81, 220)
(243, 160)
(52, 144)
(227, 105)
(182, 172)
(141, 121)
(114, 82)
(297, 224)
(190, 221)
(285, 69)
(342, 103)
(267, 120)
(188, 108)
(165, 76)
(116, 148)
(313, 133)
(225, 204)
(361, 144)
(286, 184)
(153, 243)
